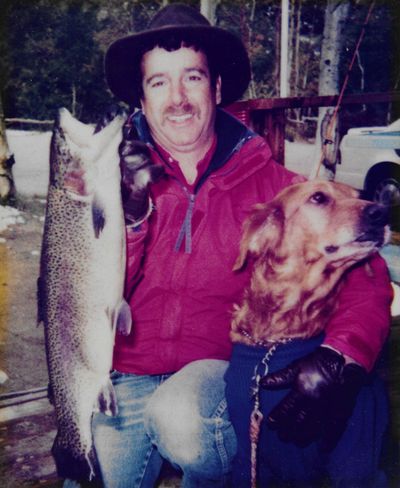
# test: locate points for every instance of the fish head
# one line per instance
(79, 154)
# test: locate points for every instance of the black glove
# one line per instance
(138, 171)
(108, 115)
(324, 392)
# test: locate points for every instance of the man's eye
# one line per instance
(194, 78)
(156, 84)
(319, 198)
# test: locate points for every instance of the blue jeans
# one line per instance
(181, 417)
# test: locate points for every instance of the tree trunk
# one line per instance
(327, 139)
(276, 71)
(208, 8)
(7, 188)
(285, 51)
(252, 90)
(295, 60)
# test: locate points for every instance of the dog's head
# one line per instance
(313, 221)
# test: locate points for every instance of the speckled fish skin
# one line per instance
(81, 284)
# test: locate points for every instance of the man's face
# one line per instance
(179, 102)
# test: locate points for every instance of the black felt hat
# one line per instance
(229, 56)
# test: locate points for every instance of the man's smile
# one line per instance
(179, 119)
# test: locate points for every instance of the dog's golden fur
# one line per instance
(301, 244)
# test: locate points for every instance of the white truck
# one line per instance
(370, 160)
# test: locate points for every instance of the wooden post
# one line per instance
(275, 133)
(270, 124)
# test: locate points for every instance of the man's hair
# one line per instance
(173, 42)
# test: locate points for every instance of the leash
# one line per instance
(256, 416)
(331, 125)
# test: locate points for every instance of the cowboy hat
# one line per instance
(122, 60)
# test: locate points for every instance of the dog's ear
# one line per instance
(262, 230)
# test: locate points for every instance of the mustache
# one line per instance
(186, 108)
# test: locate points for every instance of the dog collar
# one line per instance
(260, 342)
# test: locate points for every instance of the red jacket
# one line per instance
(180, 282)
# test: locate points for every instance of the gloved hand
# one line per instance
(323, 394)
(138, 171)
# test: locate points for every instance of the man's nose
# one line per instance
(178, 93)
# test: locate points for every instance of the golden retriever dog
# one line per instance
(299, 245)
(302, 243)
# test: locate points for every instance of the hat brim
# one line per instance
(122, 60)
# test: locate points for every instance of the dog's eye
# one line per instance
(331, 249)
(319, 198)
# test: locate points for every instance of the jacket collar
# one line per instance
(231, 135)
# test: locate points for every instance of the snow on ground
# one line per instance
(300, 157)
(31, 169)
(9, 216)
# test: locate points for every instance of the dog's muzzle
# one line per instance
(373, 220)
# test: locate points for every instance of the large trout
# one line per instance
(81, 284)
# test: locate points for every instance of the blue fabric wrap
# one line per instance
(355, 460)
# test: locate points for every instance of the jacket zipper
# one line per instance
(186, 228)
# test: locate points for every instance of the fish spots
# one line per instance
(82, 274)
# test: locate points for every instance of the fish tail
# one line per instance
(78, 466)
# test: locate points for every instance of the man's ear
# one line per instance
(218, 86)
(262, 230)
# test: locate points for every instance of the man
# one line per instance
(183, 240)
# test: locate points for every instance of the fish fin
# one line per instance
(79, 198)
(78, 467)
(107, 400)
(98, 217)
(123, 323)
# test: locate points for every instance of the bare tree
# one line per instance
(208, 9)
(327, 138)
(294, 60)
(7, 188)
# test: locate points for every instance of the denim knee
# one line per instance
(173, 427)
(189, 441)
(190, 425)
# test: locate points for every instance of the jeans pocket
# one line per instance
(224, 436)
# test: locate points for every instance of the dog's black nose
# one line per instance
(375, 215)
